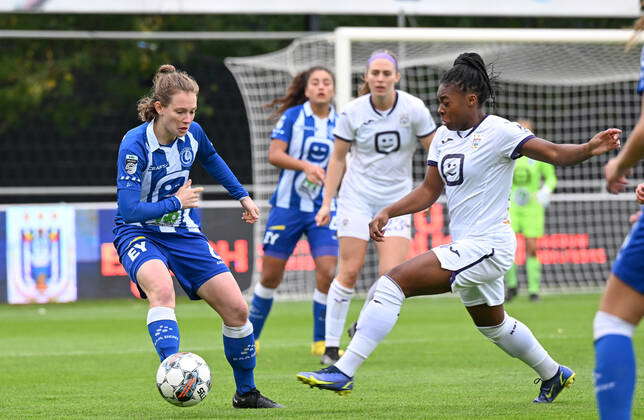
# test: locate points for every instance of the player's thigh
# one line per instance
(622, 300)
(272, 271)
(154, 279)
(531, 246)
(391, 252)
(421, 275)
(533, 222)
(350, 260)
(484, 315)
(284, 228)
(145, 262)
(222, 293)
(353, 217)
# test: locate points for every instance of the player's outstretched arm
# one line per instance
(418, 199)
(278, 156)
(571, 154)
(334, 174)
(617, 168)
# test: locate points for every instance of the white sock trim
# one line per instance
(347, 291)
(158, 313)
(263, 291)
(238, 332)
(319, 297)
(608, 324)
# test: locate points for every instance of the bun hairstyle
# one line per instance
(470, 75)
(387, 55)
(295, 92)
(167, 81)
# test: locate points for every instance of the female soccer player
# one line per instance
(382, 129)
(622, 305)
(302, 142)
(471, 158)
(157, 228)
(532, 184)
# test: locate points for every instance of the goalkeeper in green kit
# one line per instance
(532, 184)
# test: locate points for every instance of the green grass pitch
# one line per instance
(95, 360)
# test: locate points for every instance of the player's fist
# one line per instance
(639, 193)
(377, 226)
(250, 214)
(188, 196)
(323, 216)
(615, 180)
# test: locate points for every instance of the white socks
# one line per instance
(337, 306)
(159, 313)
(518, 341)
(375, 322)
(263, 291)
(238, 332)
(319, 297)
(607, 324)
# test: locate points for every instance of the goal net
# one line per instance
(569, 83)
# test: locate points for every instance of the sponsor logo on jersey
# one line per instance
(447, 140)
(186, 156)
(476, 141)
(130, 163)
(158, 167)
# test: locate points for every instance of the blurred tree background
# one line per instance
(65, 104)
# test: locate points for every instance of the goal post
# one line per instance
(571, 83)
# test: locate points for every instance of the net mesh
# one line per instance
(570, 91)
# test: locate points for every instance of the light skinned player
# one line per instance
(301, 145)
(622, 304)
(157, 228)
(532, 184)
(382, 128)
(471, 159)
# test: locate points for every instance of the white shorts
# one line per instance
(353, 216)
(478, 265)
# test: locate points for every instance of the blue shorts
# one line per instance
(629, 264)
(187, 254)
(284, 228)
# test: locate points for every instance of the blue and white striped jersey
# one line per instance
(309, 138)
(155, 172)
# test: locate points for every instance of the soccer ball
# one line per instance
(183, 379)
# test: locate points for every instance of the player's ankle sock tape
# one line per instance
(263, 291)
(605, 324)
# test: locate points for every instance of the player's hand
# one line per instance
(605, 141)
(377, 226)
(314, 173)
(323, 216)
(635, 217)
(250, 214)
(188, 196)
(543, 196)
(615, 180)
(639, 193)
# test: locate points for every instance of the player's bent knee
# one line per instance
(236, 315)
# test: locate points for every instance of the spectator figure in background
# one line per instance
(382, 129)
(472, 158)
(532, 184)
(157, 227)
(301, 145)
(622, 305)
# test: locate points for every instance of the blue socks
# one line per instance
(239, 347)
(164, 330)
(319, 315)
(260, 307)
(614, 376)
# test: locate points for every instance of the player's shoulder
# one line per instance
(292, 113)
(135, 139)
(410, 100)
(197, 130)
(359, 104)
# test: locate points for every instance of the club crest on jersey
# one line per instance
(476, 141)
(130, 163)
(404, 120)
(186, 156)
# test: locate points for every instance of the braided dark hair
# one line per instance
(470, 75)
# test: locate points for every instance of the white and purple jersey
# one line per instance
(149, 174)
(477, 167)
(309, 138)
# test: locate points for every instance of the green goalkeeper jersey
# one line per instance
(529, 176)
